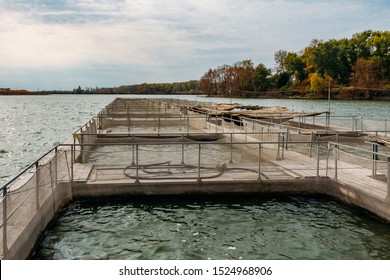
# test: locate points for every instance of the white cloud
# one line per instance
(174, 40)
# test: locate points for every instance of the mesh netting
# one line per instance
(362, 160)
(26, 196)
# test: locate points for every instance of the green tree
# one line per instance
(260, 78)
(361, 44)
(296, 66)
(380, 47)
(280, 80)
(331, 58)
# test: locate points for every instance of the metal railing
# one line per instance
(58, 165)
(262, 142)
(25, 194)
(356, 158)
(251, 152)
(328, 121)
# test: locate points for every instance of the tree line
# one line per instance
(358, 67)
(355, 67)
(188, 87)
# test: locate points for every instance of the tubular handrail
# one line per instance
(191, 133)
(330, 144)
(81, 127)
(337, 145)
(28, 167)
(197, 143)
(159, 143)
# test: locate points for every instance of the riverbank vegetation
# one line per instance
(8, 91)
(189, 87)
(355, 68)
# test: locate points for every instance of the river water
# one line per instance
(197, 228)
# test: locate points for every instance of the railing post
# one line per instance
(136, 164)
(278, 154)
(99, 121)
(159, 123)
(246, 131)
(180, 128)
(199, 180)
(128, 118)
(5, 218)
(182, 149)
(326, 120)
(356, 124)
(82, 147)
(129, 124)
(374, 159)
(327, 160)
(262, 133)
(37, 184)
(336, 155)
(388, 179)
(283, 140)
(56, 167)
(231, 148)
(288, 134)
(72, 148)
(318, 159)
(259, 160)
(311, 144)
(188, 123)
(231, 122)
(74, 143)
(385, 127)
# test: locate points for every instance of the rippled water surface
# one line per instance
(31, 125)
(209, 228)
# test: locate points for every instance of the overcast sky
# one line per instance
(61, 44)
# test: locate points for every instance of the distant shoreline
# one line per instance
(381, 96)
(21, 92)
